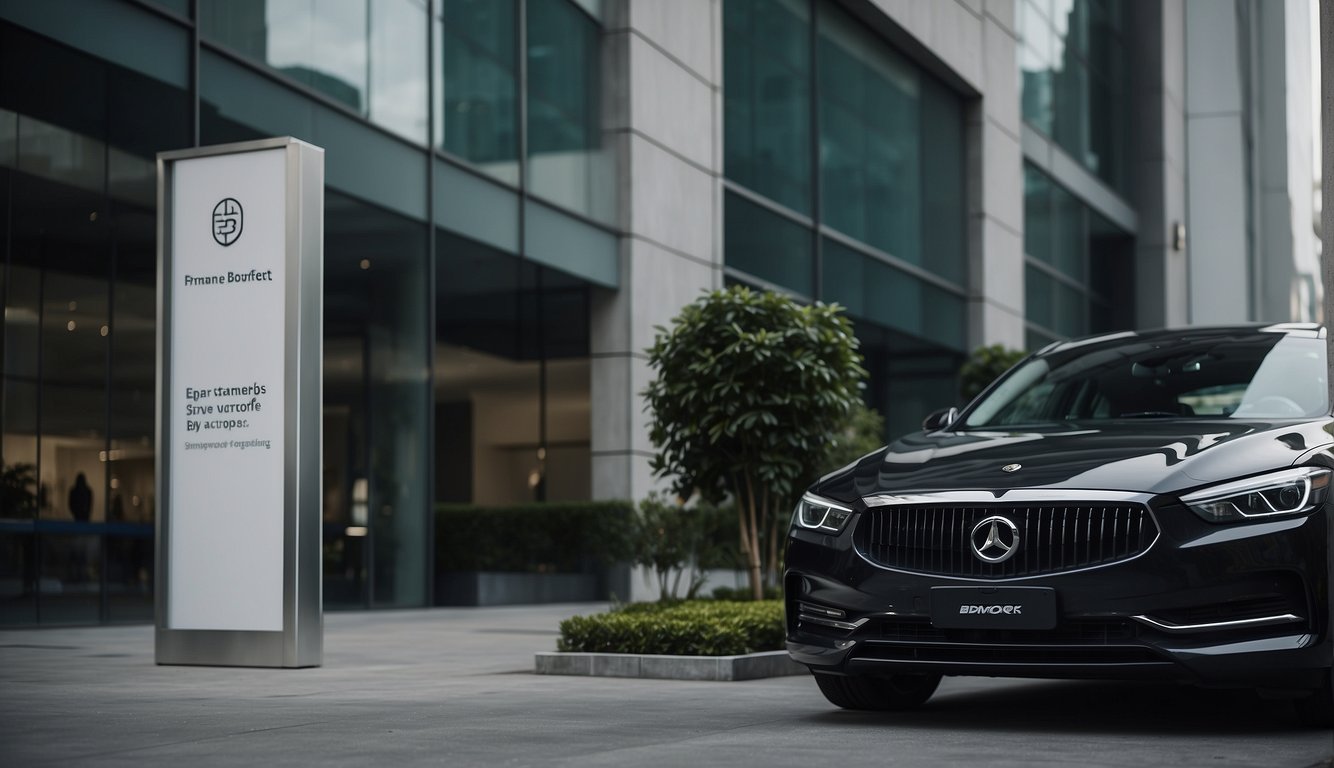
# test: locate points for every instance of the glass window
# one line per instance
(131, 490)
(478, 116)
(1094, 256)
(397, 77)
(944, 207)
(1074, 76)
(376, 372)
(79, 251)
(870, 138)
(567, 162)
(767, 101)
(767, 245)
(513, 403)
(369, 55)
(908, 377)
(179, 7)
(1037, 215)
(1069, 233)
(873, 290)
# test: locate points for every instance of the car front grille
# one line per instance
(936, 539)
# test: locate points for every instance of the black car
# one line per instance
(1136, 505)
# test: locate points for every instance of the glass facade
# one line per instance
(456, 356)
(477, 114)
(1079, 267)
(844, 163)
(77, 228)
(1074, 76)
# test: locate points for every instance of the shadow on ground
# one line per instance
(1090, 707)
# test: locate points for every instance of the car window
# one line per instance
(1221, 400)
(1226, 374)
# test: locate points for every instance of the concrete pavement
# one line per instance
(455, 687)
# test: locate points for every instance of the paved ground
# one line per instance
(454, 687)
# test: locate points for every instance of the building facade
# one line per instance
(518, 192)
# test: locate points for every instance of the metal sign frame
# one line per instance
(301, 641)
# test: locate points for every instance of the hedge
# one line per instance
(553, 537)
(692, 628)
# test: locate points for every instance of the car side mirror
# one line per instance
(940, 419)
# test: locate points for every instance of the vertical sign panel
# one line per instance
(240, 316)
(226, 399)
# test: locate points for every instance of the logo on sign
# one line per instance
(227, 221)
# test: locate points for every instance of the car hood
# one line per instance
(1167, 456)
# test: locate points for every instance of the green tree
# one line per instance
(984, 366)
(750, 389)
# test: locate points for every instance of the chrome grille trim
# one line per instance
(929, 534)
(847, 626)
(1263, 621)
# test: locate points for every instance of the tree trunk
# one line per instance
(756, 576)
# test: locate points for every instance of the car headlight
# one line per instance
(1277, 494)
(820, 514)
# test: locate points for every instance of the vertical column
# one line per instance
(665, 120)
(1217, 137)
(996, 188)
(1159, 50)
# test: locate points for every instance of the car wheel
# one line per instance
(1316, 708)
(892, 692)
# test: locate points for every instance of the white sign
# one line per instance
(227, 385)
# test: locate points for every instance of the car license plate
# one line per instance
(993, 607)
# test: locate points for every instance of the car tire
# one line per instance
(892, 692)
(1316, 708)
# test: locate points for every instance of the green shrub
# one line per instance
(555, 537)
(680, 543)
(771, 592)
(690, 628)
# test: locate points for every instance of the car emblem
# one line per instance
(994, 540)
(1011, 467)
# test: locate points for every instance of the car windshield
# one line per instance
(1228, 374)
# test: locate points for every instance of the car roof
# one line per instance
(1303, 330)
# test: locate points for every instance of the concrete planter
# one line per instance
(481, 588)
(751, 666)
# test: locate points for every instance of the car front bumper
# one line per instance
(1245, 605)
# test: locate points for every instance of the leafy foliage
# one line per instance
(680, 542)
(863, 432)
(553, 537)
(18, 490)
(984, 366)
(751, 390)
(693, 628)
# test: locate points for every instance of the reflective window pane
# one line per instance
(1074, 74)
(478, 116)
(767, 245)
(376, 369)
(767, 101)
(567, 162)
(870, 138)
(369, 55)
(1094, 258)
(398, 67)
(18, 574)
(875, 291)
(513, 404)
(69, 578)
